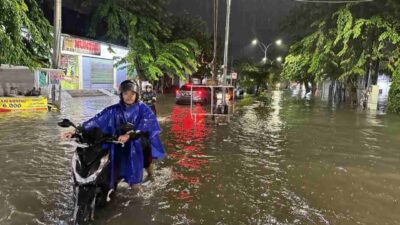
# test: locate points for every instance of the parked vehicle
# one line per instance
(201, 95)
(239, 93)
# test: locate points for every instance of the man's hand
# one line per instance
(123, 138)
(68, 135)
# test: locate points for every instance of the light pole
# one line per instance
(56, 33)
(264, 48)
(56, 48)
(228, 14)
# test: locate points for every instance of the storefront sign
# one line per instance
(81, 46)
(23, 103)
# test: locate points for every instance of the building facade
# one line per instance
(89, 64)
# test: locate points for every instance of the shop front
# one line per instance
(89, 64)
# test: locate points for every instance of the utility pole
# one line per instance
(56, 48)
(56, 33)
(214, 61)
(228, 14)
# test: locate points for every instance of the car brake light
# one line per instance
(177, 92)
(200, 92)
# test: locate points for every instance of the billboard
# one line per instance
(70, 78)
(81, 46)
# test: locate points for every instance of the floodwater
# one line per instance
(298, 162)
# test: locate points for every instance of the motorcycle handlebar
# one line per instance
(79, 133)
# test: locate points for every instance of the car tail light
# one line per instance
(200, 92)
(177, 92)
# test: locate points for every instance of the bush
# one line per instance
(265, 98)
(246, 101)
(394, 97)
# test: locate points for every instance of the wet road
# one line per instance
(300, 162)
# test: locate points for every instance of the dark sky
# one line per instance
(249, 19)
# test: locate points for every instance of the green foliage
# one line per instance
(25, 37)
(394, 93)
(255, 74)
(153, 51)
(246, 101)
(344, 45)
(186, 26)
(394, 99)
(265, 98)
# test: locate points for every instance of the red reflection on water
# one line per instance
(190, 180)
(188, 136)
(183, 195)
(186, 144)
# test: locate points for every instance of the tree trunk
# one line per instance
(313, 87)
(162, 85)
(307, 86)
(351, 93)
(140, 74)
(377, 64)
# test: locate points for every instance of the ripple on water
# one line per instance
(296, 164)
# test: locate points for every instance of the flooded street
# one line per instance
(299, 162)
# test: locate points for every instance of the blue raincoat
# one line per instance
(127, 162)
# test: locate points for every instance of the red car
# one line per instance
(201, 95)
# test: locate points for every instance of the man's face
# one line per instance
(148, 89)
(129, 97)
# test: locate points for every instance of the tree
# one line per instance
(186, 26)
(25, 34)
(353, 41)
(152, 51)
(257, 74)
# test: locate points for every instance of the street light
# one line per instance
(279, 59)
(264, 60)
(265, 48)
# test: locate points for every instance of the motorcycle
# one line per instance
(150, 101)
(152, 105)
(91, 170)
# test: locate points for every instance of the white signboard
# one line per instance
(234, 76)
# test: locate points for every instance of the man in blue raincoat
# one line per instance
(128, 162)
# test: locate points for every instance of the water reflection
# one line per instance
(299, 162)
(187, 139)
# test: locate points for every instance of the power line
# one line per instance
(334, 1)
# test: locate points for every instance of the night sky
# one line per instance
(249, 19)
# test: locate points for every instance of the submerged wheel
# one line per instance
(81, 215)
(82, 207)
(101, 198)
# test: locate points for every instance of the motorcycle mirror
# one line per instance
(65, 123)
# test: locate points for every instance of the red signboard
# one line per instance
(81, 46)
